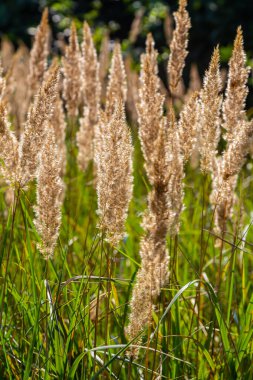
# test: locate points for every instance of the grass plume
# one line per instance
(178, 46)
(91, 96)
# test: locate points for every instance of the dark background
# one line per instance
(213, 22)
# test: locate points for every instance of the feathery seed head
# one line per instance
(117, 85)
(17, 91)
(40, 112)
(238, 135)
(178, 46)
(71, 66)
(39, 55)
(182, 5)
(150, 106)
(226, 174)
(113, 148)
(91, 99)
(8, 148)
(59, 125)
(237, 90)
(187, 125)
(164, 166)
(49, 196)
(7, 51)
(209, 113)
(73, 40)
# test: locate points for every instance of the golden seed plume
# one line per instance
(17, 95)
(35, 129)
(8, 148)
(234, 156)
(164, 166)
(238, 135)
(6, 53)
(104, 63)
(57, 121)
(209, 114)
(117, 85)
(150, 106)
(225, 177)
(178, 46)
(71, 62)
(188, 125)
(91, 97)
(237, 90)
(59, 125)
(176, 174)
(49, 195)
(162, 216)
(113, 157)
(39, 55)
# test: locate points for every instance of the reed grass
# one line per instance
(163, 270)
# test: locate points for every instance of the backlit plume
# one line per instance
(39, 55)
(178, 46)
(49, 196)
(237, 90)
(71, 63)
(209, 114)
(114, 172)
(164, 167)
(8, 148)
(40, 112)
(91, 98)
(117, 85)
(188, 126)
(238, 136)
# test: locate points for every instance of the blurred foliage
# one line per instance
(213, 22)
